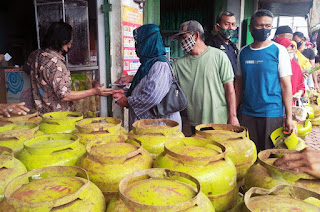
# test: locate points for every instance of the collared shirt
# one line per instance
(230, 49)
(50, 81)
(149, 92)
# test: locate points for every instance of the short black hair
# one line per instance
(222, 13)
(299, 34)
(317, 59)
(283, 29)
(58, 34)
(260, 13)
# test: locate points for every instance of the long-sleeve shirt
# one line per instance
(50, 81)
(150, 92)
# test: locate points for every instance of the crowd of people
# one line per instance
(253, 87)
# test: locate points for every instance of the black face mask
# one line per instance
(299, 44)
(260, 34)
(64, 53)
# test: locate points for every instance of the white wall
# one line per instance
(116, 49)
(234, 6)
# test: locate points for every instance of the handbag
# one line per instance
(174, 101)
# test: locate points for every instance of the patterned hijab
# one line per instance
(149, 46)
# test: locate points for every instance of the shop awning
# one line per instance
(287, 7)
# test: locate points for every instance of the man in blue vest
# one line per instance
(226, 27)
(263, 82)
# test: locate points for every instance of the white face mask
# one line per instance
(188, 43)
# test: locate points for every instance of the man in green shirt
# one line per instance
(206, 76)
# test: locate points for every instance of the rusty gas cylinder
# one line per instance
(10, 168)
(240, 149)
(153, 133)
(31, 117)
(265, 175)
(55, 188)
(60, 149)
(98, 129)
(161, 190)
(108, 162)
(205, 160)
(60, 122)
(13, 135)
(281, 198)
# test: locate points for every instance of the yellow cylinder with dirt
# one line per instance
(31, 117)
(153, 133)
(205, 160)
(55, 188)
(280, 198)
(265, 175)
(161, 190)
(13, 135)
(98, 129)
(107, 163)
(60, 122)
(58, 149)
(240, 149)
(10, 168)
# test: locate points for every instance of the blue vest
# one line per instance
(261, 82)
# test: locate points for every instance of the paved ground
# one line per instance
(313, 140)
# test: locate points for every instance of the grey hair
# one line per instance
(222, 13)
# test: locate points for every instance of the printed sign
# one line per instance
(132, 18)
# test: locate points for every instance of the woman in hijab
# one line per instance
(297, 80)
(152, 80)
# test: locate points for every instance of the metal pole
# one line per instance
(37, 21)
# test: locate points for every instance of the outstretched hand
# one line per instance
(14, 108)
(99, 90)
(307, 161)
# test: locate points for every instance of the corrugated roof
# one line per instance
(287, 7)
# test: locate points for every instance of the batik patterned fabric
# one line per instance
(50, 81)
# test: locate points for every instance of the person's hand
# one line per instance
(117, 93)
(15, 108)
(305, 75)
(288, 125)
(123, 101)
(124, 79)
(307, 161)
(297, 95)
(99, 90)
(233, 120)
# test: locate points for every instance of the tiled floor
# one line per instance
(313, 140)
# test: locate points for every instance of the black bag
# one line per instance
(174, 101)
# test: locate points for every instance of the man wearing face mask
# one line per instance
(299, 38)
(206, 77)
(226, 28)
(263, 82)
(50, 78)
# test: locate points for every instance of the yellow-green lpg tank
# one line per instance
(240, 149)
(153, 133)
(280, 198)
(98, 129)
(60, 122)
(205, 160)
(161, 190)
(265, 175)
(31, 117)
(60, 188)
(13, 135)
(304, 128)
(107, 163)
(60, 149)
(10, 168)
